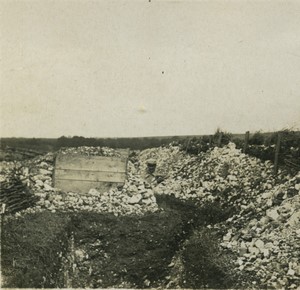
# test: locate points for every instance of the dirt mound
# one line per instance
(90, 151)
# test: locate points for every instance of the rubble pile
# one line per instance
(222, 174)
(266, 236)
(91, 151)
(166, 158)
(135, 197)
(40, 173)
(265, 231)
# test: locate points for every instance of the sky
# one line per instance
(148, 68)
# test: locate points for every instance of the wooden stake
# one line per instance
(246, 144)
(277, 153)
(187, 145)
(220, 139)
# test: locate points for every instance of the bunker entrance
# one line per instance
(79, 173)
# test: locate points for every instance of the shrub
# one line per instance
(226, 137)
(257, 138)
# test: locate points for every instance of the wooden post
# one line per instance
(187, 145)
(1, 229)
(199, 147)
(246, 144)
(210, 141)
(277, 153)
(220, 139)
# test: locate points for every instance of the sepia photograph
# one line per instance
(150, 144)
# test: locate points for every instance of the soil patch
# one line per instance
(125, 251)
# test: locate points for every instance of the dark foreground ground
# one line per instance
(170, 248)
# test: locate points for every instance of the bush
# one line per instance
(226, 137)
(257, 138)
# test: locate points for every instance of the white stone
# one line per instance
(94, 192)
(259, 244)
(44, 164)
(266, 252)
(227, 237)
(267, 194)
(254, 251)
(39, 182)
(272, 214)
(294, 219)
(147, 201)
(135, 199)
(291, 272)
(45, 171)
(80, 254)
(47, 187)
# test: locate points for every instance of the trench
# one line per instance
(171, 248)
(199, 262)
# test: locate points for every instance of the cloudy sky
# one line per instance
(148, 68)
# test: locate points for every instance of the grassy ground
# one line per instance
(31, 250)
(206, 266)
(126, 251)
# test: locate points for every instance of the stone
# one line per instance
(253, 251)
(47, 187)
(43, 164)
(39, 182)
(291, 272)
(227, 237)
(94, 192)
(80, 255)
(294, 219)
(242, 251)
(148, 193)
(297, 270)
(153, 198)
(45, 171)
(267, 194)
(259, 244)
(135, 199)
(41, 177)
(272, 214)
(147, 201)
(266, 252)
(264, 220)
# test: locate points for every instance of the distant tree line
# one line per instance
(37, 144)
(132, 143)
(44, 145)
